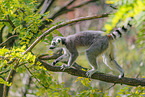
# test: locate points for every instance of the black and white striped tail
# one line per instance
(121, 31)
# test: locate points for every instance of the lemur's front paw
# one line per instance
(90, 73)
(63, 67)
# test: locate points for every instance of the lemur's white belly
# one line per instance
(82, 48)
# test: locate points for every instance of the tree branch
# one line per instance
(55, 55)
(47, 4)
(63, 10)
(11, 23)
(62, 25)
(98, 75)
(1, 34)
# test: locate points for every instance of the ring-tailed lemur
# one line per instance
(94, 44)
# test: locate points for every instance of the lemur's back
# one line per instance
(85, 38)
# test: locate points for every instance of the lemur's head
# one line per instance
(57, 42)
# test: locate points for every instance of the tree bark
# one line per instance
(98, 75)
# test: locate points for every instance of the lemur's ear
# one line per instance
(63, 40)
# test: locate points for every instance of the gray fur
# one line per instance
(93, 43)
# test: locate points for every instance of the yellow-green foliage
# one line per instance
(26, 22)
(9, 55)
(136, 92)
(125, 9)
(8, 58)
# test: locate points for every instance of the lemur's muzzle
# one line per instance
(51, 47)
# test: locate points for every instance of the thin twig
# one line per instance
(34, 77)
(1, 73)
(138, 75)
(4, 20)
(11, 23)
(113, 7)
(14, 36)
(111, 86)
(38, 80)
(8, 78)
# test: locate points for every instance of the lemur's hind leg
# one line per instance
(92, 52)
(93, 63)
(110, 58)
(118, 67)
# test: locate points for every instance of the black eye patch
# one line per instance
(53, 43)
(58, 40)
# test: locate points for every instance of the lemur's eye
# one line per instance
(53, 43)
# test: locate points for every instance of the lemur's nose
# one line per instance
(51, 47)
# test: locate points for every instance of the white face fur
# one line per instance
(56, 42)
